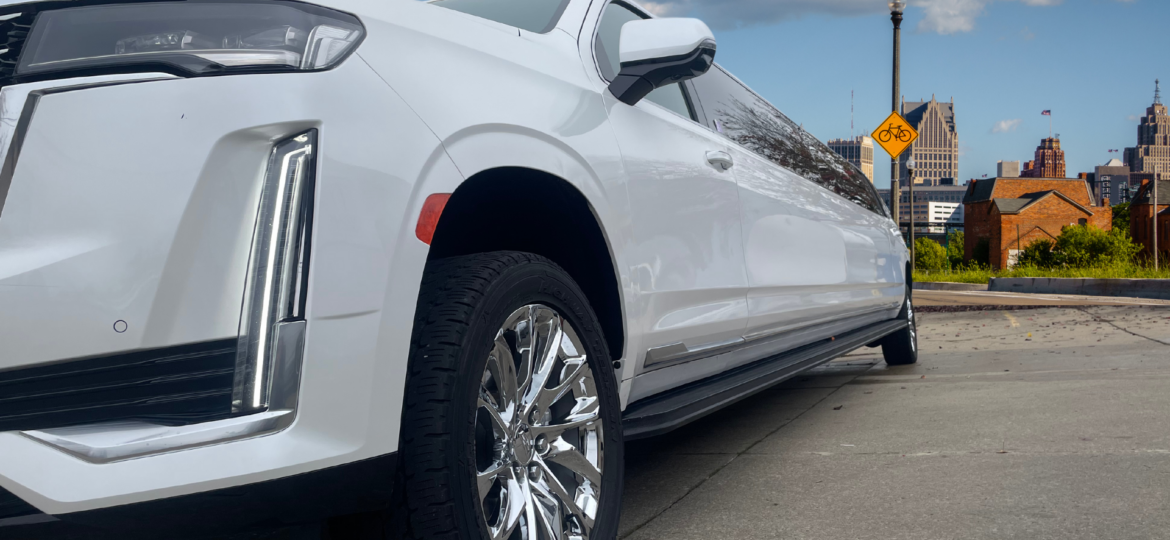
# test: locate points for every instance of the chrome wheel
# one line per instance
(912, 324)
(538, 432)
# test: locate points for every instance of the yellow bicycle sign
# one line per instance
(895, 134)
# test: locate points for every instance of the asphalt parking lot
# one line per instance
(1019, 423)
(1024, 423)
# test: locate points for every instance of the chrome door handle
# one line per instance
(720, 158)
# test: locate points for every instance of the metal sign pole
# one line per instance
(910, 191)
(895, 172)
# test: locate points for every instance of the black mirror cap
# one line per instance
(637, 79)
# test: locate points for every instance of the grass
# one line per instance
(982, 275)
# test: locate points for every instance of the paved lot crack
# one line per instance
(1098, 318)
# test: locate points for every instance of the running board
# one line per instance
(675, 408)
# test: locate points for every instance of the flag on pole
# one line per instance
(1046, 113)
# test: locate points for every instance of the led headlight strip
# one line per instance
(272, 325)
(189, 39)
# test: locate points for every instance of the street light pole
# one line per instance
(896, 8)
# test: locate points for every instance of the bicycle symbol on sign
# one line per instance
(894, 132)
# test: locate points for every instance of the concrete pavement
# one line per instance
(1045, 423)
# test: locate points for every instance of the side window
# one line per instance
(606, 47)
(539, 16)
(746, 118)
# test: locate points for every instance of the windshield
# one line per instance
(538, 16)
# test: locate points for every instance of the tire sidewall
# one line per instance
(520, 285)
(911, 320)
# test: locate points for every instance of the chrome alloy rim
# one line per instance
(538, 431)
(913, 325)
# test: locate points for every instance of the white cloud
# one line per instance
(662, 9)
(737, 13)
(1006, 126)
(940, 16)
(1133, 118)
(955, 16)
(949, 16)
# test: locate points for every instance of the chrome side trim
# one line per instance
(789, 327)
(679, 352)
(667, 376)
(116, 441)
(681, 405)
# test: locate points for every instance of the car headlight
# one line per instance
(193, 38)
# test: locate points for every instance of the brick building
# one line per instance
(1141, 216)
(1049, 162)
(1010, 213)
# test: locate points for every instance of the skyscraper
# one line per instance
(936, 152)
(1049, 161)
(1152, 153)
(1112, 182)
(1007, 169)
(858, 151)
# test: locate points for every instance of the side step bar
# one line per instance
(672, 409)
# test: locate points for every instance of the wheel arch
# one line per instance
(504, 208)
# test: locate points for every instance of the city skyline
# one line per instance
(1003, 63)
(936, 151)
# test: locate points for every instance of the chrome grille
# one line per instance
(14, 28)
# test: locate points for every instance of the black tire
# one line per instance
(901, 347)
(462, 303)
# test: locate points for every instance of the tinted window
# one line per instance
(538, 16)
(609, 32)
(755, 124)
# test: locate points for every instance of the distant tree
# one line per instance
(955, 249)
(1039, 254)
(929, 256)
(1121, 216)
(1082, 246)
(1086, 245)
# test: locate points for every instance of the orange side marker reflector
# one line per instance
(428, 219)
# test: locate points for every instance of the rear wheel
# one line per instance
(512, 428)
(901, 347)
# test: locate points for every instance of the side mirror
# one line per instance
(658, 52)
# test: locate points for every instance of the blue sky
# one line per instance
(1003, 61)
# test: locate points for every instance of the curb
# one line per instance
(948, 286)
(1157, 289)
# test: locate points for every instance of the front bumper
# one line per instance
(136, 203)
(361, 486)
